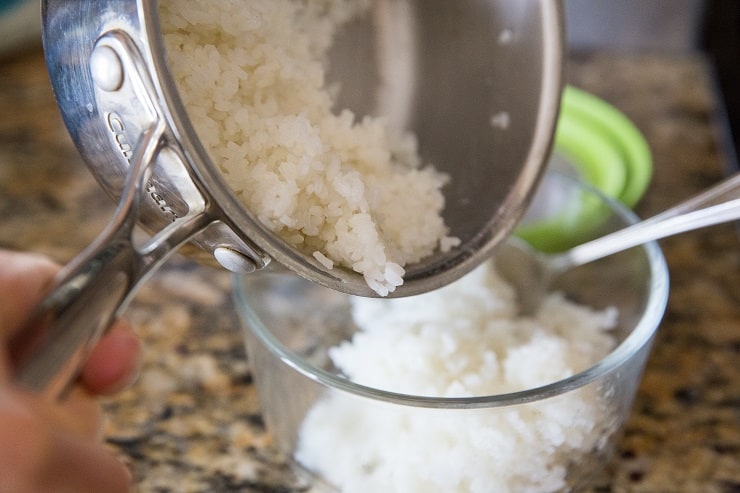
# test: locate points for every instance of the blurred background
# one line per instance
(707, 27)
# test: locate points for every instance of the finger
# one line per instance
(37, 455)
(23, 279)
(24, 443)
(76, 466)
(115, 361)
(78, 414)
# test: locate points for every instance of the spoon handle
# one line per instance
(724, 191)
(716, 205)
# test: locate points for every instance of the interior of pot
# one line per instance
(471, 80)
(452, 74)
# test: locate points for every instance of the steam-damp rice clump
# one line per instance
(343, 188)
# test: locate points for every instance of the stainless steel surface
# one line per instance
(470, 61)
(533, 273)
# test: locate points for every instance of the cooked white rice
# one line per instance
(346, 190)
(463, 340)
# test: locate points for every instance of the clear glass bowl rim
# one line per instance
(640, 337)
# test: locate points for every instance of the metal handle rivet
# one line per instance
(106, 68)
(234, 261)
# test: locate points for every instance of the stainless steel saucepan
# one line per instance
(483, 103)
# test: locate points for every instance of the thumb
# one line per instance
(23, 279)
(36, 455)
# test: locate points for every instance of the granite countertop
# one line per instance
(192, 421)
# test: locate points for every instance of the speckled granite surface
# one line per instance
(192, 422)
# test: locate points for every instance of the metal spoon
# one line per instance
(533, 273)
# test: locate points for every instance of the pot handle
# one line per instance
(48, 352)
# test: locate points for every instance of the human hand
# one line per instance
(49, 446)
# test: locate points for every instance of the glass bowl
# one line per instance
(400, 409)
